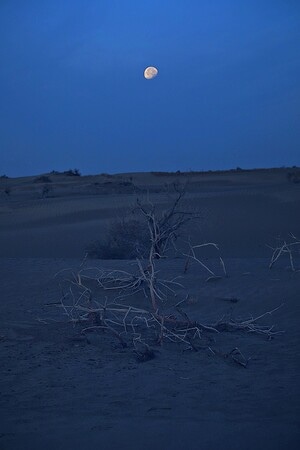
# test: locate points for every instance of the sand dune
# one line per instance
(60, 389)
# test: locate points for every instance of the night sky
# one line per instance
(73, 95)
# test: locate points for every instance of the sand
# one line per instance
(61, 389)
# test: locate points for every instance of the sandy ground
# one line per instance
(63, 390)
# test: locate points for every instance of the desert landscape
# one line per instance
(195, 349)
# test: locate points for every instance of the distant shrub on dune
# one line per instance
(4, 176)
(165, 174)
(46, 190)
(72, 173)
(107, 175)
(42, 179)
(125, 183)
(293, 177)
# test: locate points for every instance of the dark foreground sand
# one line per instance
(61, 390)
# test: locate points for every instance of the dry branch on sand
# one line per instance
(249, 325)
(191, 256)
(285, 247)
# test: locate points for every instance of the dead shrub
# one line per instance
(124, 239)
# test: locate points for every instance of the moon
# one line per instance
(150, 72)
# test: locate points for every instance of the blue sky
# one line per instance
(72, 92)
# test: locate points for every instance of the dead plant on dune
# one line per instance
(98, 298)
(290, 247)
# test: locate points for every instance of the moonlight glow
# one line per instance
(150, 72)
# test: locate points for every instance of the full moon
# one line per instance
(150, 72)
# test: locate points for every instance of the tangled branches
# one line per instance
(145, 328)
